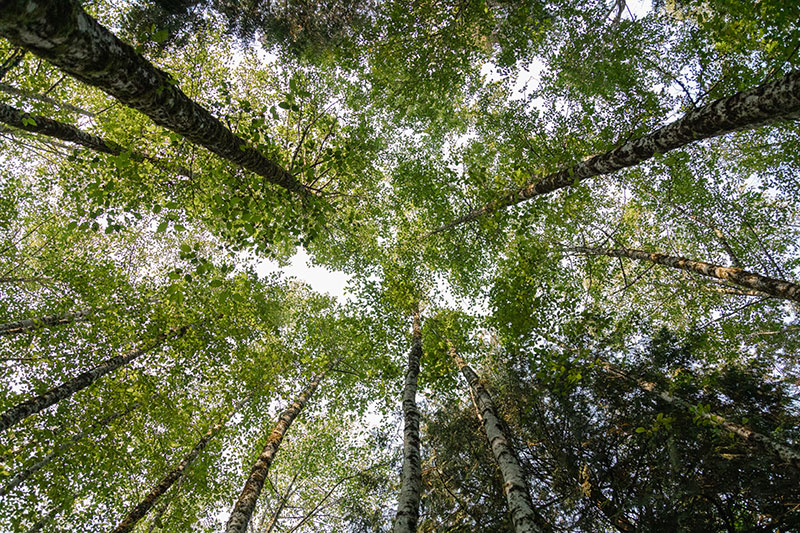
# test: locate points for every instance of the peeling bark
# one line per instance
(50, 321)
(24, 474)
(66, 132)
(748, 280)
(10, 89)
(147, 503)
(30, 407)
(411, 477)
(772, 102)
(781, 451)
(520, 505)
(61, 32)
(245, 505)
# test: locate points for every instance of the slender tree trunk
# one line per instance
(43, 401)
(781, 451)
(243, 509)
(24, 474)
(6, 88)
(520, 505)
(147, 503)
(747, 280)
(25, 280)
(772, 102)
(411, 478)
(66, 132)
(61, 32)
(609, 510)
(49, 321)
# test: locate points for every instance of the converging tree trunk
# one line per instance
(49, 321)
(147, 503)
(520, 505)
(781, 451)
(66, 132)
(29, 407)
(9, 89)
(747, 280)
(25, 473)
(411, 477)
(61, 32)
(245, 505)
(772, 102)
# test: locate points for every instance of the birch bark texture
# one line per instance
(62, 33)
(779, 450)
(411, 477)
(515, 488)
(245, 505)
(141, 509)
(50, 321)
(38, 403)
(748, 280)
(66, 132)
(777, 101)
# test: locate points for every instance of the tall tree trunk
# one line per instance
(66, 132)
(25, 280)
(43, 401)
(147, 503)
(9, 89)
(49, 321)
(411, 478)
(520, 505)
(747, 280)
(24, 474)
(61, 32)
(772, 102)
(781, 451)
(243, 509)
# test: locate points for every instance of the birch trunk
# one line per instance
(66, 132)
(772, 102)
(147, 503)
(411, 477)
(9, 89)
(243, 509)
(747, 280)
(43, 401)
(49, 321)
(24, 474)
(781, 451)
(61, 32)
(520, 505)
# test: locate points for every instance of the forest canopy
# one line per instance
(570, 232)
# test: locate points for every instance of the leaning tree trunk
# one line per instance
(147, 503)
(520, 505)
(61, 32)
(781, 451)
(25, 473)
(66, 132)
(772, 102)
(411, 478)
(6, 88)
(245, 505)
(747, 280)
(49, 321)
(43, 401)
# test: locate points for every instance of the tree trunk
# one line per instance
(143, 507)
(781, 451)
(9, 89)
(243, 509)
(61, 32)
(25, 280)
(772, 102)
(520, 505)
(411, 478)
(747, 280)
(66, 132)
(28, 472)
(50, 321)
(65, 390)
